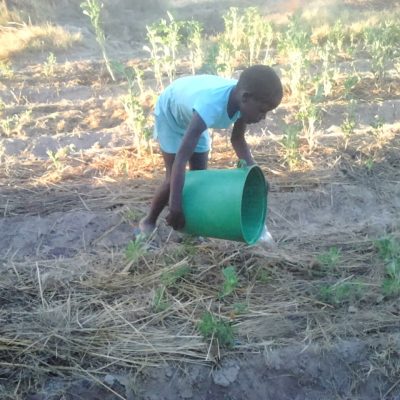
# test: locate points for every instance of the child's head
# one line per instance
(260, 90)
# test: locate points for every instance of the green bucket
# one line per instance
(225, 204)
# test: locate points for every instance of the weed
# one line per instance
(135, 249)
(230, 281)
(170, 278)
(263, 276)
(92, 8)
(342, 292)
(212, 327)
(389, 251)
(290, 143)
(331, 258)
(349, 84)
(388, 248)
(48, 66)
(160, 302)
(8, 124)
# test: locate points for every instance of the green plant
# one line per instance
(389, 251)
(290, 143)
(170, 278)
(160, 302)
(212, 327)
(377, 126)
(8, 124)
(341, 292)
(330, 258)
(349, 123)
(230, 281)
(329, 72)
(258, 35)
(194, 31)
(164, 37)
(382, 43)
(50, 63)
(135, 249)
(349, 84)
(309, 115)
(92, 8)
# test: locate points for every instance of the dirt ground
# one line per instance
(80, 214)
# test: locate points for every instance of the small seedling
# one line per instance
(212, 327)
(170, 278)
(135, 249)
(349, 84)
(230, 281)
(160, 302)
(339, 293)
(330, 259)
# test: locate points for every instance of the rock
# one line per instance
(226, 375)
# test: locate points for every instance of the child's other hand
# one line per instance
(176, 219)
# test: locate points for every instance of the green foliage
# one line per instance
(290, 143)
(230, 281)
(135, 249)
(258, 36)
(388, 248)
(164, 38)
(349, 84)
(92, 8)
(342, 292)
(382, 42)
(389, 251)
(172, 277)
(160, 302)
(309, 115)
(212, 327)
(193, 40)
(330, 258)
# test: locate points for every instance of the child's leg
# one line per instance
(198, 161)
(160, 199)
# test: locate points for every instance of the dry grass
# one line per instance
(31, 38)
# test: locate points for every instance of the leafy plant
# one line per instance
(341, 292)
(258, 35)
(164, 37)
(92, 8)
(170, 278)
(212, 327)
(309, 115)
(330, 258)
(230, 281)
(135, 249)
(160, 302)
(389, 251)
(290, 143)
(349, 84)
(194, 41)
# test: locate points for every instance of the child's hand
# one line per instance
(176, 219)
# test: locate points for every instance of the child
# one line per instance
(184, 112)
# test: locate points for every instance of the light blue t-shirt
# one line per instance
(208, 95)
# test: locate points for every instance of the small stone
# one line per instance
(109, 379)
(226, 375)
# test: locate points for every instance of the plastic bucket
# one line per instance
(225, 204)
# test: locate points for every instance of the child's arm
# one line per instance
(197, 126)
(239, 143)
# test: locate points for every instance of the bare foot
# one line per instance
(146, 228)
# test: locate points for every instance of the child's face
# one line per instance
(252, 110)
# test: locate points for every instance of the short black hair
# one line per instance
(263, 83)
